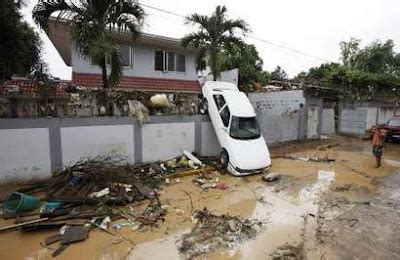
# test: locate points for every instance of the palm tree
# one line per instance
(215, 34)
(92, 23)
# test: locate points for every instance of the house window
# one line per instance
(125, 55)
(225, 116)
(169, 61)
(159, 60)
(219, 101)
(180, 62)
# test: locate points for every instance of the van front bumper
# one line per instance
(240, 172)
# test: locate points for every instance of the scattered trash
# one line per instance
(17, 202)
(117, 240)
(327, 146)
(49, 207)
(316, 159)
(287, 251)
(100, 193)
(138, 110)
(129, 223)
(211, 232)
(193, 158)
(270, 177)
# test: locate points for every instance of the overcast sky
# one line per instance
(312, 26)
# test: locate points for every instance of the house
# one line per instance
(150, 63)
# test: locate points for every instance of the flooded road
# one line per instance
(315, 211)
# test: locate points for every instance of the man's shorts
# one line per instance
(377, 150)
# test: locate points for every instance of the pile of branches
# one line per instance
(213, 232)
(126, 182)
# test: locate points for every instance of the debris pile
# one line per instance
(289, 252)
(205, 181)
(92, 194)
(211, 232)
(316, 159)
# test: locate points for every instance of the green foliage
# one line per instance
(249, 63)
(369, 73)
(279, 74)
(19, 43)
(92, 23)
(215, 34)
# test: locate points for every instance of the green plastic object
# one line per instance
(17, 202)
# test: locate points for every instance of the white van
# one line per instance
(244, 150)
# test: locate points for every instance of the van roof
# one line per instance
(238, 103)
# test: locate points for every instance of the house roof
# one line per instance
(59, 33)
(139, 83)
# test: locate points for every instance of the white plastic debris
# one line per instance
(160, 100)
(138, 110)
(193, 158)
(100, 193)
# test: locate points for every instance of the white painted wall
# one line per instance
(25, 153)
(92, 141)
(278, 103)
(371, 115)
(353, 121)
(278, 114)
(143, 65)
(209, 142)
(165, 141)
(385, 114)
(328, 121)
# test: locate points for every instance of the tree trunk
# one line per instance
(213, 65)
(104, 93)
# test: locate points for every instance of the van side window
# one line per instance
(225, 116)
(219, 101)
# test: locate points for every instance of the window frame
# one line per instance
(229, 116)
(131, 57)
(215, 101)
(165, 61)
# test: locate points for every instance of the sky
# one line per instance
(314, 27)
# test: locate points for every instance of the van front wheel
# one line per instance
(224, 158)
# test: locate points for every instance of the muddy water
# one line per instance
(287, 207)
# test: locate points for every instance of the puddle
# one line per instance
(285, 223)
(288, 219)
(391, 162)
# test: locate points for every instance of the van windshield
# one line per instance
(244, 128)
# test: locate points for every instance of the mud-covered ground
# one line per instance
(346, 209)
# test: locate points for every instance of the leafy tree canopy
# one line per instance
(368, 73)
(249, 63)
(20, 45)
(279, 74)
(215, 34)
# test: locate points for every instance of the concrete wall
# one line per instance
(353, 121)
(143, 64)
(377, 112)
(328, 121)
(283, 115)
(33, 148)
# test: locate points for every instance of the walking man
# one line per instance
(377, 143)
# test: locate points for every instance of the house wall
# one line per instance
(143, 64)
(353, 121)
(376, 112)
(328, 121)
(33, 148)
(283, 115)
